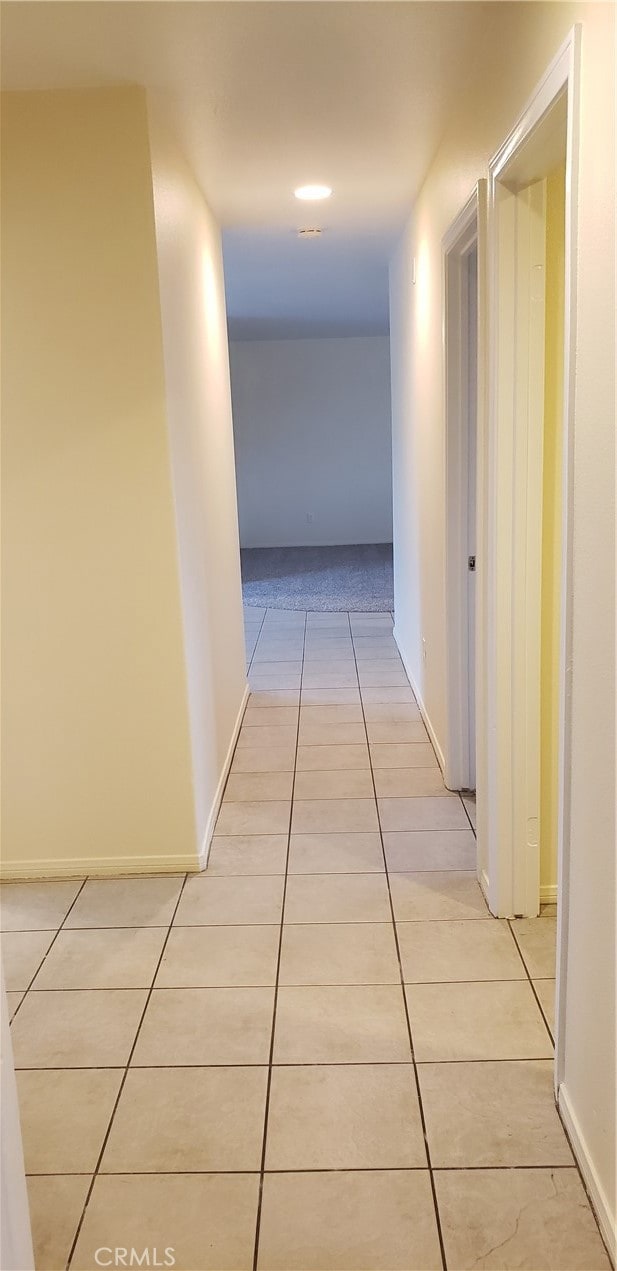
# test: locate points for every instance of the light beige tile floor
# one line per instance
(323, 1055)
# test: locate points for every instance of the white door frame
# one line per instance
(514, 509)
(15, 1232)
(516, 395)
(457, 245)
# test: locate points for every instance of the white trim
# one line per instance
(481, 873)
(512, 775)
(457, 243)
(562, 77)
(16, 1232)
(99, 866)
(548, 893)
(516, 370)
(526, 480)
(482, 428)
(220, 789)
(422, 708)
(463, 231)
(599, 1200)
(483, 881)
(556, 79)
(117, 866)
(567, 527)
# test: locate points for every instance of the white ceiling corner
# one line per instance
(265, 97)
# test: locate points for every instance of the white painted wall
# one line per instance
(493, 102)
(313, 437)
(15, 1232)
(192, 297)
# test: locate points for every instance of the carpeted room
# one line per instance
(356, 578)
(312, 434)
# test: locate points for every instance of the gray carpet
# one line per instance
(330, 579)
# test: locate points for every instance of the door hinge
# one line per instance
(471, 563)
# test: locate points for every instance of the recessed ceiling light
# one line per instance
(309, 192)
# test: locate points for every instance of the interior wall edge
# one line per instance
(220, 790)
(201, 457)
(605, 1214)
(430, 728)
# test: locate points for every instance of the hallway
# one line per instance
(222, 1065)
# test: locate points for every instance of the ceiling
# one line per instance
(268, 96)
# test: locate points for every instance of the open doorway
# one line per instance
(308, 317)
(528, 505)
(460, 253)
(472, 429)
(532, 261)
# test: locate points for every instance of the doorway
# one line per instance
(528, 478)
(530, 357)
(472, 430)
(460, 255)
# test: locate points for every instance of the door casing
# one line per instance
(513, 529)
(464, 235)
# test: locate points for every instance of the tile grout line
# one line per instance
(314, 1063)
(466, 810)
(276, 984)
(312, 873)
(411, 1062)
(530, 981)
(214, 988)
(191, 926)
(405, 1005)
(448, 795)
(95, 1173)
(575, 1161)
(341, 798)
(230, 773)
(309, 1169)
(261, 627)
(45, 955)
(474, 832)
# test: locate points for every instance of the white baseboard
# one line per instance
(483, 881)
(597, 1195)
(118, 866)
(548, 893)
(423, 711)
(482, 875)
(218, 798)
(98, 867)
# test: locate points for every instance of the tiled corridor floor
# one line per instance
(321, 1055)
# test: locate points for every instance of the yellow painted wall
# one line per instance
(519, 44)
(551, 525)
(96, 754)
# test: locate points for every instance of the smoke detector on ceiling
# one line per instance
(309, 233)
